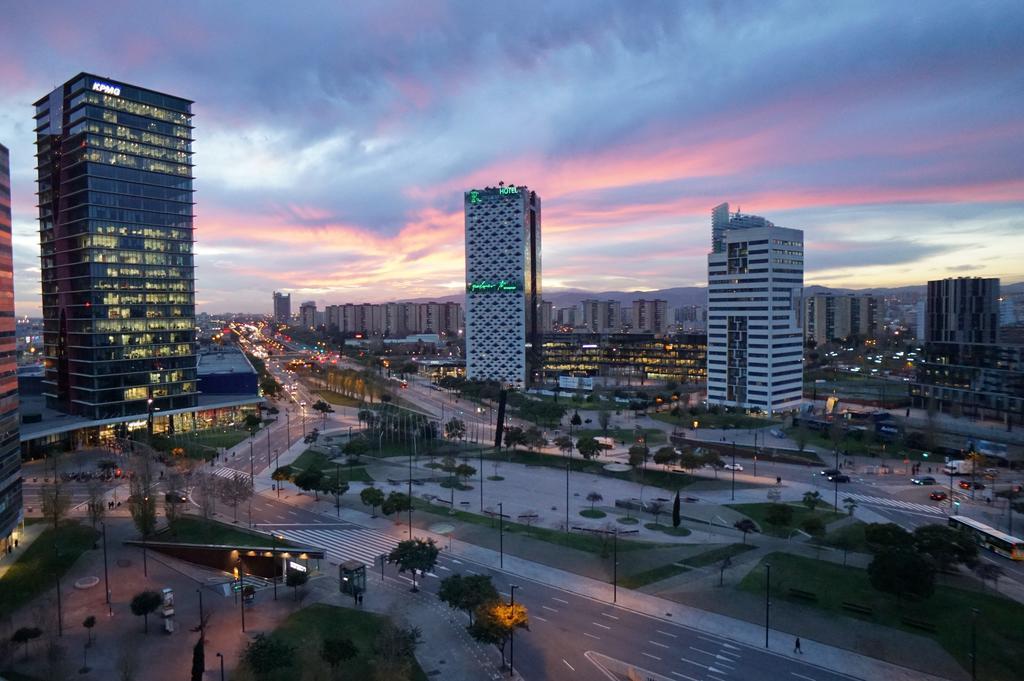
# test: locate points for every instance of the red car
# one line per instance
(964, 484)
(937, 496)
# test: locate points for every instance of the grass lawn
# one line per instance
(627, 435)
(853, 533)
(193, 530)
(33, 573)
(716, 420)
(1000, 634)
(355, 472)
(202, 444)
(759, 512)
(659, 478)
(717, 555)
(309, 625)
(593, 513)
(668, 529)
(651, 576)
(591, 543)
(337, 399)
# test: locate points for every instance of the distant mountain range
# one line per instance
(696, 295)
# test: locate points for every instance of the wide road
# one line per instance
(563, 626)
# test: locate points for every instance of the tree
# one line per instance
(144, 603)
(638, 455)
(356, 447)
(198, 660)
(372, 497)
(883, 536)
(25, 635)
(779, 515)
(55, 501)
(902, 572)
(575, 421)
(464, 471)
(812, 499)
(604, 418)
(235, 490)
(989, 572)
(414, 555)
(713, 460)
(337, 649)
(393, 650)
(745, 525)
(296, 579)
(142, 501)
(593, 498)
(309, 481)
(252, 422)
(396, 502)
(689, 460)
(944, 546)
(467, 593)
(331, 484)
(665, 456)
(514, 437)
(850, 504)
(801, 435)
(96, 504)
(270, 386)
(534, 438)
(588, 447)
(564, 444)
(814, 526)
(676, 514)
(89, 622)
(455, 429)
(655, 508)
(264, 655)
(495, 622)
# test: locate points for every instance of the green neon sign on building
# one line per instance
(500, 286)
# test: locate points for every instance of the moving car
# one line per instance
(733, 467)
(775, 432)
(965, 484)
(937, 496)
(923, 480)
(839, 477)
(829, 472)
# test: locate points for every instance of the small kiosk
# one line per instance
(352, 578)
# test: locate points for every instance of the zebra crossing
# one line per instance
(229, 473)
(344, 544)
(896, 503)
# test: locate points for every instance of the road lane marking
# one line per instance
(684, 676)
(660, 645)
(603, 626)
(665, 633)
(653, 657)
(702, 651)
(696, 664)
(611, 617)
(803, 677)
(587, 633)
(445, 568)
(548, 608)
(568, 665)
(457, 561)
(736, 655)
(560, 600)
(730, 647)
(538, 617)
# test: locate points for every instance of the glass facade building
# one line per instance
(10, 451)
(115, 228)
(680, 358)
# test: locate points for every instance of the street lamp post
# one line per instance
(288, 426)
(60, 609)
(241, 585)
(202, 622)
(501, 536)
(974, 644)
(734, 470)
(106, 576)
(221, 656)
(767, 600)
(512, 637)
(252, 480)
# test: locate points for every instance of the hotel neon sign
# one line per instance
(500, 286)
(474, 194)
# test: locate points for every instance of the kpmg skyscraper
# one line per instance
(115, 223)
(10, 450)
(503, 285)
(755, 285)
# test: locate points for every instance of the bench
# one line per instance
(919, 624)
(805, 595)
(859, 609)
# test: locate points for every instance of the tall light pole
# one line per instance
(767, 600)
(974, 644)
(106, 576)
(241, 585)
(221, 656)
(734, 470)
(60, 609)
(501, 536)
(512, 636)
(202, 622)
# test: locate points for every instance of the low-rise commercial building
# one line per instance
(680, 358)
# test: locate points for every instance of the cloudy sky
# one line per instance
(334, 140)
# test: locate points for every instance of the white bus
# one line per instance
(989, 537)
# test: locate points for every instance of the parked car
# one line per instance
(937, 496)
(841, 477)
(733, 467)
(966, 484)
(776, 432)
(923, 480)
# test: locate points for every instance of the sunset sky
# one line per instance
(333, 142)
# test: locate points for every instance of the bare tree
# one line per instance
(142, 499)
(97, 505)
(235, 490)
(54, 499)
(206, 485)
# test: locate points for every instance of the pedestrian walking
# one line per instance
(796, 646)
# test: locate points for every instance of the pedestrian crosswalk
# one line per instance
(895, 503)
(230, 473)
(344, 544)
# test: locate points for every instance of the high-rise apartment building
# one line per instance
(650, 316)
(962, 310)
(755, 340)
(11, 514)
(602, 316)
(282, 307)
(503, 284)
(115, 223)
(829, 316)
(547, 310)
(307, 314)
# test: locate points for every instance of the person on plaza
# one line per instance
(796, 646)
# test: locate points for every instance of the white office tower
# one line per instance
(755, 337)
(503, 285)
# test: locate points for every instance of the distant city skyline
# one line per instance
(335, 148)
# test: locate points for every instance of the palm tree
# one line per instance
(593, 498)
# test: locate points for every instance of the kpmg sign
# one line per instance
(106, 88)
